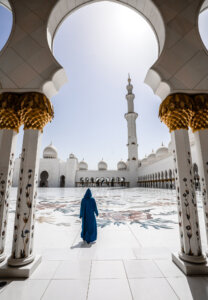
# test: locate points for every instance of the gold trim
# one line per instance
(32, 109)
(176, 110)
(10, 117)
(37, 110)
(199, 118)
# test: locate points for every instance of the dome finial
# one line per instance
(129, 78)
(129, 86)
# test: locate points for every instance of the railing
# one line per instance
(101, 184)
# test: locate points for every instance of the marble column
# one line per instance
(201, 144)
(191, 250)
(8, 140)
(22, 249)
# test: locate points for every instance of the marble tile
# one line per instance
(151, 288)
(73, 270)
(107, 269)
(142, 269)
(114, 254)
(152, 253)
(168, 268)
(60, 254)
(45, 270)
(112, 289)
(190, 288)
(24, 290)
(66, 290)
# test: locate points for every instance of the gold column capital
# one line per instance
(10, 117)
(176, 110)
(199, 118)
(32, 109)
(36, 110)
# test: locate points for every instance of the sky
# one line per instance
(98, 45)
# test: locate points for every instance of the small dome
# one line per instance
(72, 156)
(151, 157)
(50, 152)
(102, 165)
(121, 165)
(144, 161)
(83, 165)
(162, 151)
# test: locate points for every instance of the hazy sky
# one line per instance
(98, 45)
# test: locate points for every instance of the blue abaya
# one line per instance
(88, 210)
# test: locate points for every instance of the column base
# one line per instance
(189, 268)
(2, 257)
(25, 271)
(19, 262)
(192, 259)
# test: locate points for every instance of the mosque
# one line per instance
(155, 170)
(30, 76)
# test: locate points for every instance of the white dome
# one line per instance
(72, 156)
(83, 165)
(121, 165)
(162, 151)
(50, 152)
(144, 161)
(151, 157)
(102, 165)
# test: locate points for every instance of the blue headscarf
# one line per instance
(88, 194)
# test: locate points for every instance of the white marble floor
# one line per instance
(127, 262)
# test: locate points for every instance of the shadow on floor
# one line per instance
(82, 245)
(198, 287)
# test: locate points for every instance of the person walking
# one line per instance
(88, 209)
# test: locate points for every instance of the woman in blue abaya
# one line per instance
(88, 210)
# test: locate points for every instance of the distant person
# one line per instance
(88, 210)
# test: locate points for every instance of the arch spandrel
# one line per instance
(183, 64)
(27, 64)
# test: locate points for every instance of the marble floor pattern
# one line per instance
(137, 231)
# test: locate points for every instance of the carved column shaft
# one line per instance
(36, 112)
(22, 251)
(8, 140)
(201, 144)
(10, 121)
(199, 125)
(176, 111)
(186, 199)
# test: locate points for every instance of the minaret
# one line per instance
(131, 117)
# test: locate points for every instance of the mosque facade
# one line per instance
(155, 170)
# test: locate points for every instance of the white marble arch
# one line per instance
(27, 62)
(147, 8)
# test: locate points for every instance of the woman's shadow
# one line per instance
(82, 245)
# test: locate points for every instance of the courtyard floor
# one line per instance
(137, 232)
